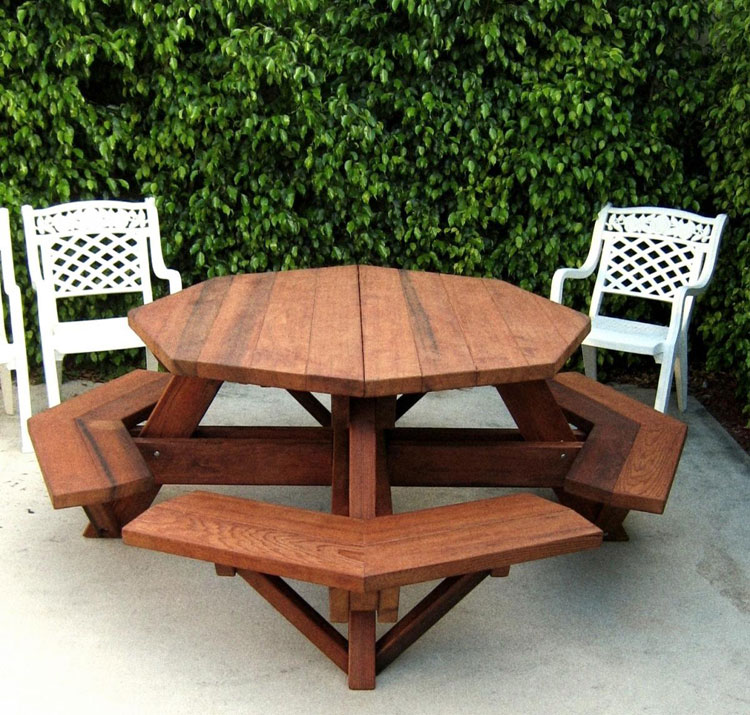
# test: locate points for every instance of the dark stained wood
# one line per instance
(229, 340)
(490, 341)
(314, 406)
(363, 458)
(459, 457)
(181, 407)
(301, 615)
(167, 318)
(339, 598)
(360, 331)
(391, 362)
(103, 522)
(425, 615)
(112, 450)
(385, 419)
(73, 476)
(361, 666)
(250, 455)
(647, 471)
(280, 356)
(537, 415)
(535, 327)
(203, 316)
(334, 360)
(444, 359)
(362, 555)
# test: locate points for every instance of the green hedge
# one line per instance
(725, 321)
(470, 137)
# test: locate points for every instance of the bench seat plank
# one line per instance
(361, 555)
(72, 470)
(647, 468)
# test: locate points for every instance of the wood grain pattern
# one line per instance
(335, 359)
(245, 455)
(73, 476)
(360, 331)
(280, 356)
(180, 407)
(646, 476)
(361, 554)
(425, 615)
(490, 341)
(444, 358)
(301, 615)
(535, 412)
(461, 458)
(391, 362)
(229, 339)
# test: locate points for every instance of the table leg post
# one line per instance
(339, 598)
(361, 650)
(535, 411)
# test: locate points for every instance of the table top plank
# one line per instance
(334, 361)
(280, 355)
(414, 332)
(391, 361)
(444, 357)
(230, 339)
(493, 347)
(167, 319)
(535, 328)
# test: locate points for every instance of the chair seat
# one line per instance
(628, 335)
(91, 335)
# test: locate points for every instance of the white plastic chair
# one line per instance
(88, 248)
(660, 254)
(13, 354)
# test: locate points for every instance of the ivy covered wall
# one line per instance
(467, 136)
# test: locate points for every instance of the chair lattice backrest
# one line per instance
(96, 247)
(652, 252)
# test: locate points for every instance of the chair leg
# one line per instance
(680, 375)
(24, 401)
(6, 385)
(665, 382)
(52, 376)
(589, 360)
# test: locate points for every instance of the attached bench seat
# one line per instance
(361, 555)
(631, 452)
(83, 445)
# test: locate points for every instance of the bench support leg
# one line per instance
(106, 520)
(608, 518)
(425, 615)
(301, 615)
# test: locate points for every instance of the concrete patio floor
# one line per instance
(660, 624)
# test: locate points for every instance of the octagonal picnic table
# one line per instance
(376, 340)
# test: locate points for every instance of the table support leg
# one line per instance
(361, 667)
(536, 412)
(608, 518)
(338, 597)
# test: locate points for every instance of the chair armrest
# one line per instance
(563, 274)
(174, 278)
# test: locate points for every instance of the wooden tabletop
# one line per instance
(361, 331)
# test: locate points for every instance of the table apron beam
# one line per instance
(463, 464)
(284, 459)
